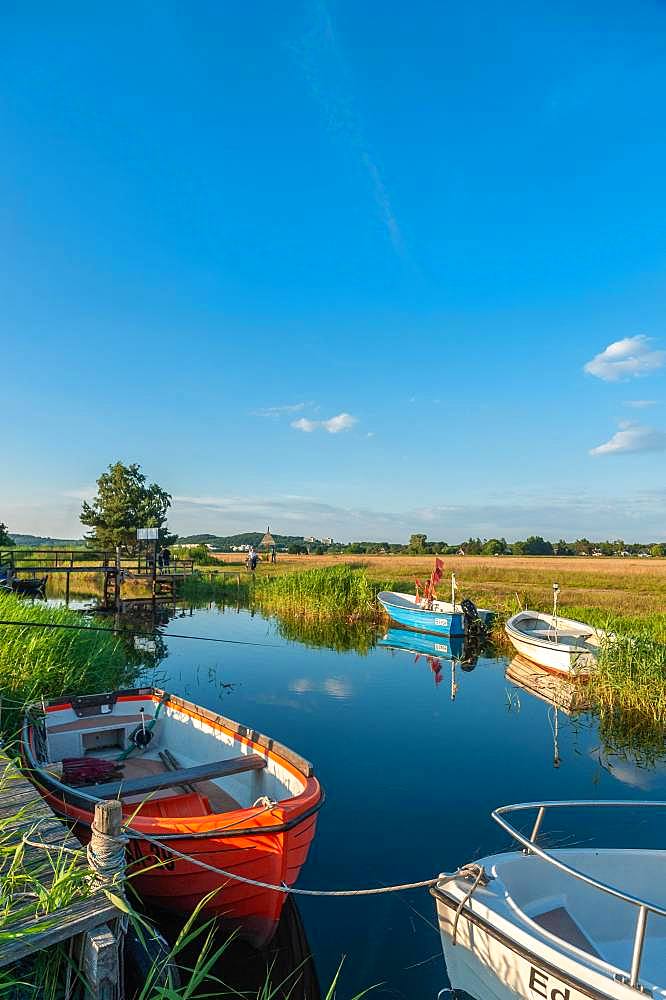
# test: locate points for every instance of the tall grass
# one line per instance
(46, 662)
(343, 592)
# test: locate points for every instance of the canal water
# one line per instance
(412, 760)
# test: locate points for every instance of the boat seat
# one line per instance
(174, 807)
(182, 776)
(556, 635)
(559, 922)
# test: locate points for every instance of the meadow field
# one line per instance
(628, 587)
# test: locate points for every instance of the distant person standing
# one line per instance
(160, 561)
(166, 558)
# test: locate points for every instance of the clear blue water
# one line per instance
(410, 775)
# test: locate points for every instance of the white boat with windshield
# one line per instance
(553, 642)
(562, 924)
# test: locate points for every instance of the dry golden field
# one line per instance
(625, 586)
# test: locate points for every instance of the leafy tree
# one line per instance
(417, 543)
(494, 547)
(583, 547)
(535, 545)
(124, 503)
(564, 549)
(5, 541)
(658, 550)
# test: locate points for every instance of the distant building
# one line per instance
(327, 541)
(310, 538)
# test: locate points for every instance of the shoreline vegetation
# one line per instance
(628, 689)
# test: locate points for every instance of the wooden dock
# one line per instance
(23, 813)
(34, 564)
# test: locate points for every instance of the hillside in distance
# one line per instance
(44, 542)
(226, 542)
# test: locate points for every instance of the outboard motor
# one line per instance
(471, 620)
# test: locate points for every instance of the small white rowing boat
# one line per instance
(555, 643)
(570, 924)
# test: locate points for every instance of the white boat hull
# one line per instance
(544, 935)
(488, 968)
(563, 661)
(560, 645)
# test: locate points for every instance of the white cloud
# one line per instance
(630, 357)
(640, 404)
(306, 425)
(341, 422)
(634, 516)
(632, 438)
(278, 411)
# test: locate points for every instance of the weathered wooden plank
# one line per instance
(26, 814)
(155, 782)
(60, 926)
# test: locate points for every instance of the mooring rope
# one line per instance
(108, 863)
(381, 890)
(478, 873)
(142, 635)
(106, 858)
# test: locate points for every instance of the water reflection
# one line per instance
(436, 651)
(410, 778)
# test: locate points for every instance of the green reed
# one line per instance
(47, 662)
(341, 591)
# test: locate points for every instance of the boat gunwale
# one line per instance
(411, 605)
(514, 632)
(73, 797)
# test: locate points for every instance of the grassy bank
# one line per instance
(36, 662)
(343, 592)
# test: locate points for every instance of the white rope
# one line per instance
(106, 858)
(285, 888)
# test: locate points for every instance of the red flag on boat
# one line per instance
(437, 573)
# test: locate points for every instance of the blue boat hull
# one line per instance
(426, 621)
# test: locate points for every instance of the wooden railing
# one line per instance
(95, 561)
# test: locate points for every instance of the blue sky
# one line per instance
(337, 267)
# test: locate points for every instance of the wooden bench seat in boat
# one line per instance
(184, 775)
(558, 636)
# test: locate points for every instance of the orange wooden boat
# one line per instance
(198, 782)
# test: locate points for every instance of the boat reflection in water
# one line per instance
(286, 963)
(558, 691)
(436, 650)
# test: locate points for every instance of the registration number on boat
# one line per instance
(541, 985)
(442, 621)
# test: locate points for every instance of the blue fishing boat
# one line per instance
(439, 617)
